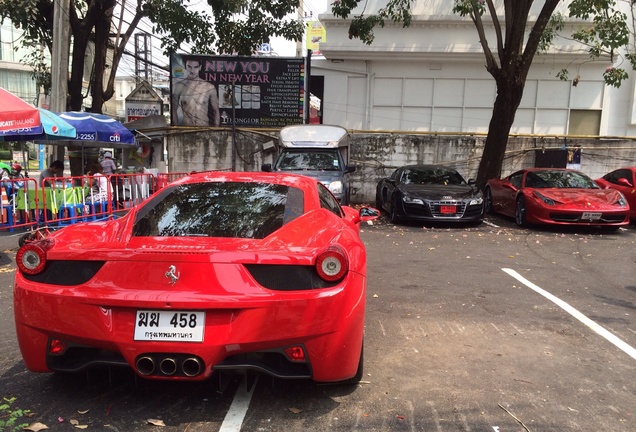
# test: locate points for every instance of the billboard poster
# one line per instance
(315, 34)
(236, 91)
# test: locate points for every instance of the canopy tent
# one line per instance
(98, 129)
(51, 127)
(15, 113)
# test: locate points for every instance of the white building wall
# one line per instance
(410, 95)
(432, 77)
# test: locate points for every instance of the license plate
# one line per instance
(448, 209)
(173, 326)
(591, 216)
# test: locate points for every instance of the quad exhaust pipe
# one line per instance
(157, 364)
(145, 365)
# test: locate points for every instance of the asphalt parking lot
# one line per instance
(478, 328)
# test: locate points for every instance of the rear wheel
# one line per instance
(521, 212)
(378, 201)
(488, 207)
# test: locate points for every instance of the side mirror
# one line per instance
(624, 182)
(350, 169)
(266, 167)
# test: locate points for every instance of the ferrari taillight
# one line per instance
(31, 258)
(332, 264)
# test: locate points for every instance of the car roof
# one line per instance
(302, 182)
(427, 167)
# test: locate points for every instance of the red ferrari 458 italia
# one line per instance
(624, 181)
(555, 196)
(217, 271)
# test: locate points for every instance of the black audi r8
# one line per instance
(429, 193)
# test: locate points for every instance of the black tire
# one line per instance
(24, 239)
(612, 228)
(521, 217)
(488, 207)
(358, 376)
(393, 216)
(378, 201)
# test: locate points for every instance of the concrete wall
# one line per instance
(378, 154)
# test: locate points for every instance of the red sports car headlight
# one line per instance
(545, 199)
(332, 264)
(31, 258)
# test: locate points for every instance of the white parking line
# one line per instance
(620, 344)
(234, 418)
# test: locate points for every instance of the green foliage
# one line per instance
(615, 76)
(175, 22)
(9, 416)
(607, 33)
(551, 30)
(176, 25)
(258, 21)
(362, 26)
(469, 8)
(563, 75)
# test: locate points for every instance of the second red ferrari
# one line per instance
(555, 196)
(624, 181)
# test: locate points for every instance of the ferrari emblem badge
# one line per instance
(172, 274)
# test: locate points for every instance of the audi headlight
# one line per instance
(410, 200)
(476, 201)
(545, 199)
(336, 187)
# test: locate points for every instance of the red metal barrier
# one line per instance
(130, 190)
(164, 178)
(20, 200)
(67, 200)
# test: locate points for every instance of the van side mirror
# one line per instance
(266, 167)
(350, 168)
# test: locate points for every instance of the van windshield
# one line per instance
(308, 160)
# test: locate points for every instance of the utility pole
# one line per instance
(59, 66)
(299, 43)
(143, 57)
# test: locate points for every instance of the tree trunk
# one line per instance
(509, 93)
(102, 42)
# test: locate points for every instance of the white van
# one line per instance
(318, 151)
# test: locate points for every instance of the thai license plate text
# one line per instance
(175, 326)
(591, 216)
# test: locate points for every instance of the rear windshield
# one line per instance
(219, 209)
(310, 160)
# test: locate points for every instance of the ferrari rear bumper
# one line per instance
(68, 330)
